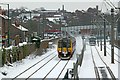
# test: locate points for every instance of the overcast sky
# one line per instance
(70, 5)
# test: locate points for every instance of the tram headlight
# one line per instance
(69, 50)
(59, 51)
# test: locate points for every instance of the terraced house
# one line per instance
(14, 29)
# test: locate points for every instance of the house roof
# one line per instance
(20, 27)
(3, 16)
(53, 18)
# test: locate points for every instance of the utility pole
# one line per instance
(112, 35)
(98, 35)
(8, 27)
(104, 36)
(100, 39)
(44, 24)
(38, 31)
(30, 20)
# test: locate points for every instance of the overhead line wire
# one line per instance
(108, 3)
(112, 4)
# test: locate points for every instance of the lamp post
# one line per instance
(8, 33)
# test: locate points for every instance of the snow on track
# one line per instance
(28, 73)
(107, 59)
(57, 69)
(100, 65)
(45, 70)
(87, 69)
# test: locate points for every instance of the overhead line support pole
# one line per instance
(104, 37)
(112, 35)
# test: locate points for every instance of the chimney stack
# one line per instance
(97, 7)
(62, 7)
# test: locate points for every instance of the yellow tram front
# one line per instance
(64, 48)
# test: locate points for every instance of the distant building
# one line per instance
(47, 13)
(55, 19)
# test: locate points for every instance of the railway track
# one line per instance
(108, 68)
(58, 69)
(95, 67)
(40, 67)
(32, 66)
(51, 70)
(62, 70)
(34, 69)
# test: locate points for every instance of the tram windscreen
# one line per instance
(92, 39)
(64, 43)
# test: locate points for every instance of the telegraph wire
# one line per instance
(113, 4)
(108, 3)
(101, 6)
(118, 19)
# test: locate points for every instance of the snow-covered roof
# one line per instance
(57, 15)
(28, 15)
(3, 16)
(50, 11)
(53, 18)
(24, 43)
(20, 27)
(49, 25)
(34, 39)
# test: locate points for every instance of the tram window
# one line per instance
(59, 44)
(92, 41)
(64, 43)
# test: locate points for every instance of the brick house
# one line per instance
(4, 28)
(17, 29)
(14, 29)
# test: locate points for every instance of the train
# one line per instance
(92, 41)
(66, 47)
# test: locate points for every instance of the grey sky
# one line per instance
(52, 4)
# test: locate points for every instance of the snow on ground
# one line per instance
(87, 68)
(99, 63)
(26, 74)
(42, 73)
(79, 44)
(85, 71)
(107, 59)
(57, 70)
(20, 66)
(69, 65)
